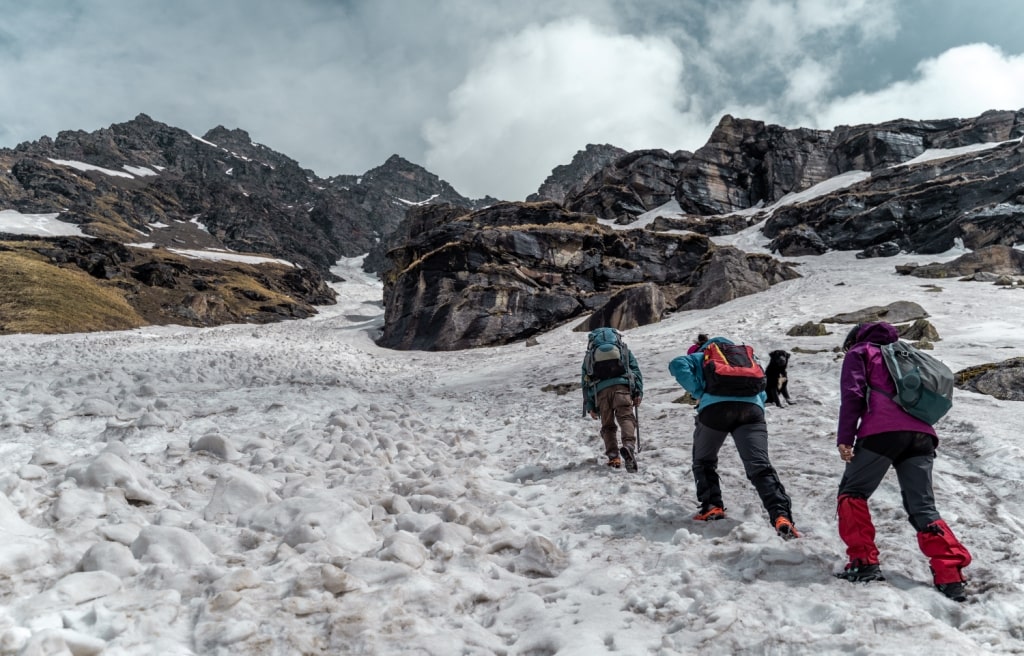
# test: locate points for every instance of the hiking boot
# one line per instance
(615, 462)
(861, 573)
(711, 514)
(956, 591)
(784, 527)
(629, 459)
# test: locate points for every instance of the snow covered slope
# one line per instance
(292, 488)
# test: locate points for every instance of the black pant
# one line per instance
(745, 421)
(911, 454)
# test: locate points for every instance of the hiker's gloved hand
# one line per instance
(594, 415)
(637, 400)
(846, 452)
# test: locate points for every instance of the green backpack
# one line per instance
(924, 385)
(607, 355)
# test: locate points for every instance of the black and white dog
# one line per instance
(778, 379)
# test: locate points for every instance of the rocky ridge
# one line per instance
(486, 272)
(915, 186)
(144, 182)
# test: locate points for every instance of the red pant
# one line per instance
(945, 553)
(911, 454)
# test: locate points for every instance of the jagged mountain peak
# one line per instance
(566, 178)
(222, 134)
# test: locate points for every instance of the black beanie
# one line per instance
(851, 337)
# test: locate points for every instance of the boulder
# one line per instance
(992, 261)
(632, 307)
(726, 273)
(897, 312)
(797, 241)
(921, 330)
(809, 329)
(885, 249)
(1003, 380)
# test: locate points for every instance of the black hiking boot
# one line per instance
(956, 591)
(861, 573)
(629, 459)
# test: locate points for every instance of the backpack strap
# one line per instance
(629, 370)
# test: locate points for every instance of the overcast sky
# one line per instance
(492, 95)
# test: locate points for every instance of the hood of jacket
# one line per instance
(877, 332)
(866, 388)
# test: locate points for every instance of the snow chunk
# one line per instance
(171, 546)
(110, 557)
(301, 520)
(110, 470)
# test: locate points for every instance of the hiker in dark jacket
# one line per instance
(612, 400)
(874, 434)
(743, 417)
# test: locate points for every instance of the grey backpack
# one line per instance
(924, 385)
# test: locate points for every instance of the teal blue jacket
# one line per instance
(688, 371)
(592, 387)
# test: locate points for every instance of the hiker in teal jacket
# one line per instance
(743, 417)
(612, 400)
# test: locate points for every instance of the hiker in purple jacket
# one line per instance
(874, 434)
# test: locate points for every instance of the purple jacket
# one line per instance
(862, 410)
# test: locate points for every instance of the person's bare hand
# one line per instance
(637, 400)
(846, 452)
(593, 414)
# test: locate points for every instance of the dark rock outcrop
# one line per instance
(463, 279)
(632, 307)
(712, 226)
(630, 185)
(885, 249)
(995, 260)
(801, 240)
(808, 329)
(924, 208)
(747, 162)
(566, 178)
(921, 330)
(726, 273)
(897, 312)
(1003, 380)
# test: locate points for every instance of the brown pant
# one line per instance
(615, 404)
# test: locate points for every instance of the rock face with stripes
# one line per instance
(462, 279)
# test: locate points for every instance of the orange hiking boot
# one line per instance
(615, 462)
(712, 513)
(784, 527)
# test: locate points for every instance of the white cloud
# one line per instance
(961, 82)
(808, 82)
(542, 94)
(777, 31)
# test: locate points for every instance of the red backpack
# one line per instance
(732, 370)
